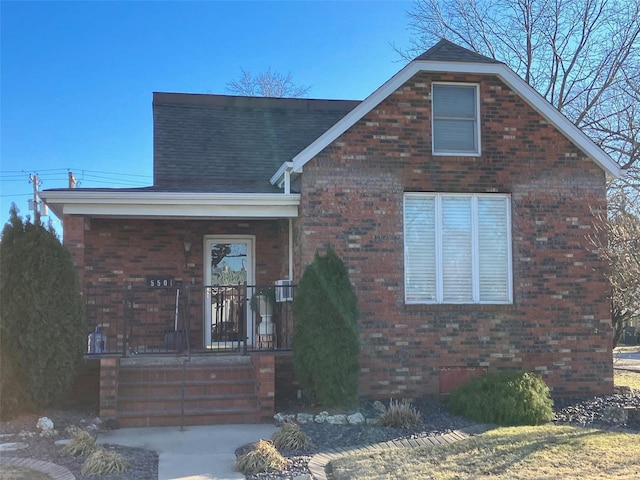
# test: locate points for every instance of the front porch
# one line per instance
(190, 354)
(188, 319)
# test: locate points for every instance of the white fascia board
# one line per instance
(277, 177)
(508, 76)
(181, 205)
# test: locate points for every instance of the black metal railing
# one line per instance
(138, 320)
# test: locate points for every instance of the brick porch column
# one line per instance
(265, 373)
(109, 387)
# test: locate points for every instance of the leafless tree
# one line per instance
(617, 241)
(266, 84)
(581, 55)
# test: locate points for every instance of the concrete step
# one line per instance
(174, 402)
(169, 418)
(192, 387)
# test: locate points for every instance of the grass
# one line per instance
(10, 472)
(624, 378)
(506, 453)
(524, 453)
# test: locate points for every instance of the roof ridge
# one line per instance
(445, 50)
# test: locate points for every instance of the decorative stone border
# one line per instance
(56, 472)
(319, 461)
(324, 417)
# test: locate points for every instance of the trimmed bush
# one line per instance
(42, 330)
(400, 415)
(290, 437)
(262, 458)
(507, 398)
(325, 335)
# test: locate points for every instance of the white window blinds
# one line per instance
(457, 248)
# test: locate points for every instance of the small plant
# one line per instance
(262, 458)
(82, 444)
(104, 461)
(400, 415)
(508, 398)
(289, 437)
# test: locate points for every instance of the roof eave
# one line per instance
(508, 76)
(172, 205)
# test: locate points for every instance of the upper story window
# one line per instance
(457, 248)
(456, 119)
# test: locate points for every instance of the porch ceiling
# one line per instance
(172, 204)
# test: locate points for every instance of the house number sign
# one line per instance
(159, 281)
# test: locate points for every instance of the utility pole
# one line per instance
(72, 180)
(33, 178)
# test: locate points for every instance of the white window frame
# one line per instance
(477, 151)
(475, 255)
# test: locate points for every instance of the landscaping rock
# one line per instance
(356, 419)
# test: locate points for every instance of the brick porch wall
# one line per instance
(559, 323)
(265, 374)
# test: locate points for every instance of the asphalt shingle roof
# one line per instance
(447, 51)
(222, 143)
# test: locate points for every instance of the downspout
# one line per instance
(287, 191)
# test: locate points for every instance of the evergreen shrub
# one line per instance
(42, 330)
(506, 398)
(325, 343)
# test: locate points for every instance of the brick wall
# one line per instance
(112, 253)
(118, 252)
(352, 196)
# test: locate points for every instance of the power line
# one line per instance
(82, 171)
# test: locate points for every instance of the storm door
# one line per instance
(229, 267)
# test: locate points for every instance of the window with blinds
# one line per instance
(455, 119)
(457, 248)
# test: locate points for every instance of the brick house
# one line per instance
(458, 197)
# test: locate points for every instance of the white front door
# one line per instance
(228, 268)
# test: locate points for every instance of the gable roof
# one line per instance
(447, 51)
(446, 57)
(233, 144)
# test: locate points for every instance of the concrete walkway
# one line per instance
(626, 360)
(197, 453)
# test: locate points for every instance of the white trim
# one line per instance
(172, 204)
(478, 140)
(278, 177)
(508, 76)
(208, 240)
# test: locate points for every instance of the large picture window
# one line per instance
(455, 115)
(457, 248)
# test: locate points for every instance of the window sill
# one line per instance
(463, 307)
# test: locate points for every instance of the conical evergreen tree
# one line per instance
(41, 318)
(325, 336)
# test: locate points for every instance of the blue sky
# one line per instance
(77, 77)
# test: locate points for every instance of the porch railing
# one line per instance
(187, 319)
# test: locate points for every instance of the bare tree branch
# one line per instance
(617, 241)
(579, 54)
(266, 84)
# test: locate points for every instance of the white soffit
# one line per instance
(508, 76)
(172, 205)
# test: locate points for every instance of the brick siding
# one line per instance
(352, 196)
